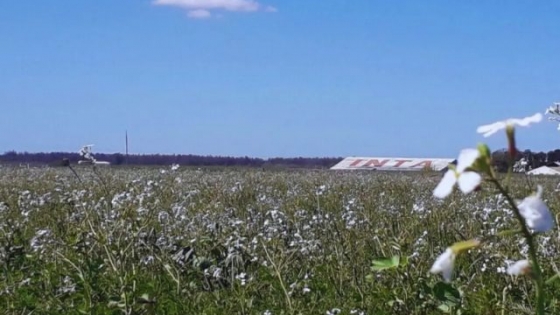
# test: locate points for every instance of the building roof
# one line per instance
(392, 164)
(545, 170)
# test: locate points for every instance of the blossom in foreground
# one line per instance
(520, 267)
(467, 180)
(444, 264)
(490, 129)
(536, 213)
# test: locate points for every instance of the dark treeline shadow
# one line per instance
(534, 159)
(56, 158)
(500, 159)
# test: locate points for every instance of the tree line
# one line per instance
(533, 159)
(500, 159)
(57, 158)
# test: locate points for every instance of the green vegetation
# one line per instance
(151, 241)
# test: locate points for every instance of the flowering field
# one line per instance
(180, 241)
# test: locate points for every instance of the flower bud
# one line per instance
(462, 246)
(512, 149)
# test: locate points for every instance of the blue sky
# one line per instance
(275, 78)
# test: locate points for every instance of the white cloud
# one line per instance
(201, 9)
(199, 14)
(271, 9)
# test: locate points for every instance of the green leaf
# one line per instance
(385, 263)
(484, 162)
(509, 232)
(404, 261)
(444, 308)
(446, 293)
(553, 278)
(484, 150)
(425, 289)
(395, 301)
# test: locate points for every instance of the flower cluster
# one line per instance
(472, 165)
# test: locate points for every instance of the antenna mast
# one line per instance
(126, 146)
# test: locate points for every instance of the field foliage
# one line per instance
(163, 241)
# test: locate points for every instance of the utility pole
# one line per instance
(126, 146)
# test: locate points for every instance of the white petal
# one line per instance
(490, 129)
(539, 191)
(466, 159)
(468, 181)
(527, 120)
(536, 213)
(519, 268)
(444, 264)
(555, 110)
(445, 186)
(545, 223)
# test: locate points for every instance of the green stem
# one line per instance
(279, 275)
(76, 174)
(537, 272)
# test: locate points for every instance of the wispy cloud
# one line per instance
(199, 14)
(202, 9)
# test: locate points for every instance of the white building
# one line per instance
(392, 164)
(545, 170)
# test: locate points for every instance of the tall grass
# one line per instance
(150, 241)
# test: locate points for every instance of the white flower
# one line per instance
(467, 180)
(536, 213)
(444, 264)
(242, 277)
(520, 267)
(490, 129)
(555, 109)
(334, 311)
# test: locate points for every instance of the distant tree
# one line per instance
(500, 160)
(54, 158)
(553, 156)
(539, 159)
(118, 159)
